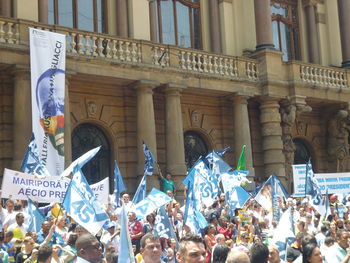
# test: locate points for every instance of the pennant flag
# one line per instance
(119, 185)
(80, 162)
(284, 233)
(269, 195)
(140, 193)
(36, 218)
(126, 253)
(153, 201)
(223, 151)
(311, 185)
(236, 198)
(31, 163)
(217, 164)
(232, 179)
(162, 225)
(149, 160)
(205, 185)
(241, 165)
(82, 205)
(192, 217)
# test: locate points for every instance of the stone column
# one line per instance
(43, 11)
(344, 24)
(146, 126)
(6, 8)
(175, 149)
(122, 18)
(22, 115)
(215, 36)
(270, 120)
(242, 131)
(67, 127)
(313, 44)
(263, 24)
(153, 20)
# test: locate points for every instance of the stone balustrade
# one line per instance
(146, 53)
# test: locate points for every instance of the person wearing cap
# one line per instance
(110, 237)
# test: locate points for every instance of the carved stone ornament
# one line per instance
(91, 108)
(196, 118)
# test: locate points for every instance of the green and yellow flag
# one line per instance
(241, 165)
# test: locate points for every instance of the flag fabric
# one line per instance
(236, 198)
(149, 160)
(284, 233)
(223, 151)
(311, 185)
(31, 163)
(126, 254)
(82, 205)
(205, 185)
(234, 178)
(217, 164)
(162, 225)
(153, 201)
(119, 185)
(270, 195)
(80, 162)
(140, 193)
(241, 165)
(36, 218)
(47, 64)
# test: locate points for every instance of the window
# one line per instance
(195, 147)
(179, 23)
(285, 28)
(86, 137)
(302, 153)
(82, 14)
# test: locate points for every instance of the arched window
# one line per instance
(285, 28)
(195, 147)
(302, 153)
(87, 15)
(86, 137)
(179, 23)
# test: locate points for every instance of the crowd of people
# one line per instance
(245, 236)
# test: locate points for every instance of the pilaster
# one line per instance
(263, 24)
(313, 42)
(22, 122)
(43, 11)
(344, 25)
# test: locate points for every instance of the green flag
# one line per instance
(241, 165)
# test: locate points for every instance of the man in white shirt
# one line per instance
(19, 229)
(338, 252)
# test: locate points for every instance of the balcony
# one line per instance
(142, 53)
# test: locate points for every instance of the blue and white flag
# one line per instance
(119, 185)
(36, 218)
(205, 185)
(232, 179)
(149, 160)
(31, 163)
(140, 193)
(80, 162)
(284, 233)
(82, 205)
(270, 195)
(223, 151)
(236, 198)
(153, 201)
(311, 185)
(217, 164)
(162, 225)
(126, 253)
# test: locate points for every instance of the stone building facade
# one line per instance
(187, 76)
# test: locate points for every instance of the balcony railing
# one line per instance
(146, 53)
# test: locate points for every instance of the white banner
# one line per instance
(47, 62)
(17, 185)
(335, 182)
